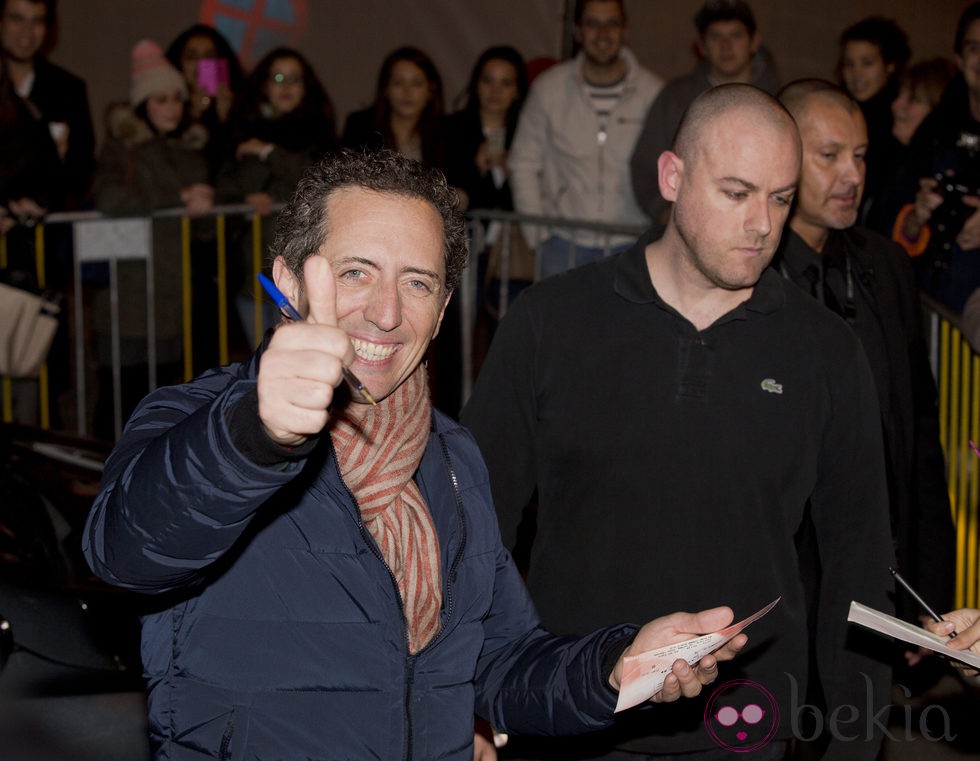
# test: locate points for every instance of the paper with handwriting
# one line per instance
(644, 674)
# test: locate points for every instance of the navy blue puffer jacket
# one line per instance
(278, 631)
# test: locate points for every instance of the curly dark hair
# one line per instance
(890, 39)
(303, 224)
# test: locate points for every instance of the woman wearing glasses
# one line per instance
(286, 125)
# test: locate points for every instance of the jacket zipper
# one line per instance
(461, 515)
(449, 601)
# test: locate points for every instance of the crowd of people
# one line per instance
(582, 145)
(767, 323)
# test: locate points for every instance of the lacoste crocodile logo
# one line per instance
(771, 386)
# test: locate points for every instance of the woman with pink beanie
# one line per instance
(152, 158)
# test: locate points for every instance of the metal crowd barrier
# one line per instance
(109, 240)
(490, 227)
(956, 367)
(955, 364)
(97, 239)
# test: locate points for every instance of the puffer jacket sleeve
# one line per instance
(176, 494)
(530, 681)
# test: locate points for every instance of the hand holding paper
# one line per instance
(958, 649)
(965, 621)
(668, 659)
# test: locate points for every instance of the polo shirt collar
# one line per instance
(632, 281)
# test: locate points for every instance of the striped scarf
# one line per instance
(377, 455)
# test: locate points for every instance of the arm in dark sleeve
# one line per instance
(851, 520)
(502, 412)
(235, 180)
(529, 152)
(178, 491)
(653, 141)
(360, 132)
(530, 681)
(286, 168)
(935, 543)
(461, 147)
(80, 158)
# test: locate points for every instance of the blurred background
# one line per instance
(346, 41)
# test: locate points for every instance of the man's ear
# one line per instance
(441, 315)
(756, 41)
(670, 171)
(287, 282)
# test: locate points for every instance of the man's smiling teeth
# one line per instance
(372, 352)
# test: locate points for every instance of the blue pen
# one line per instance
(283, 303)
(280, 298)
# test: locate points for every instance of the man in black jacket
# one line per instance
(868, 280)
(53, 146)
(684, 390)
(56, 96)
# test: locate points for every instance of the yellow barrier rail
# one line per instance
(196, 329)
(955, 364)
(219, 323)
(956, 367)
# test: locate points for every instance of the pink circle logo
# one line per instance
(741, 716)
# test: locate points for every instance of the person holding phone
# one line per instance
(479, 135)
(286, 124)
(478, 139)
(215, 83)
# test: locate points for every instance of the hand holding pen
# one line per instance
(304, 362)
(922, 603)
(283, 303)
(944, 627)
(965, 621)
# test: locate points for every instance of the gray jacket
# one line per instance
(560, 164)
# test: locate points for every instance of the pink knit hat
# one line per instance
(152, 73)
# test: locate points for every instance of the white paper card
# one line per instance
(906, 632)
(644, 674)
(99, 240)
